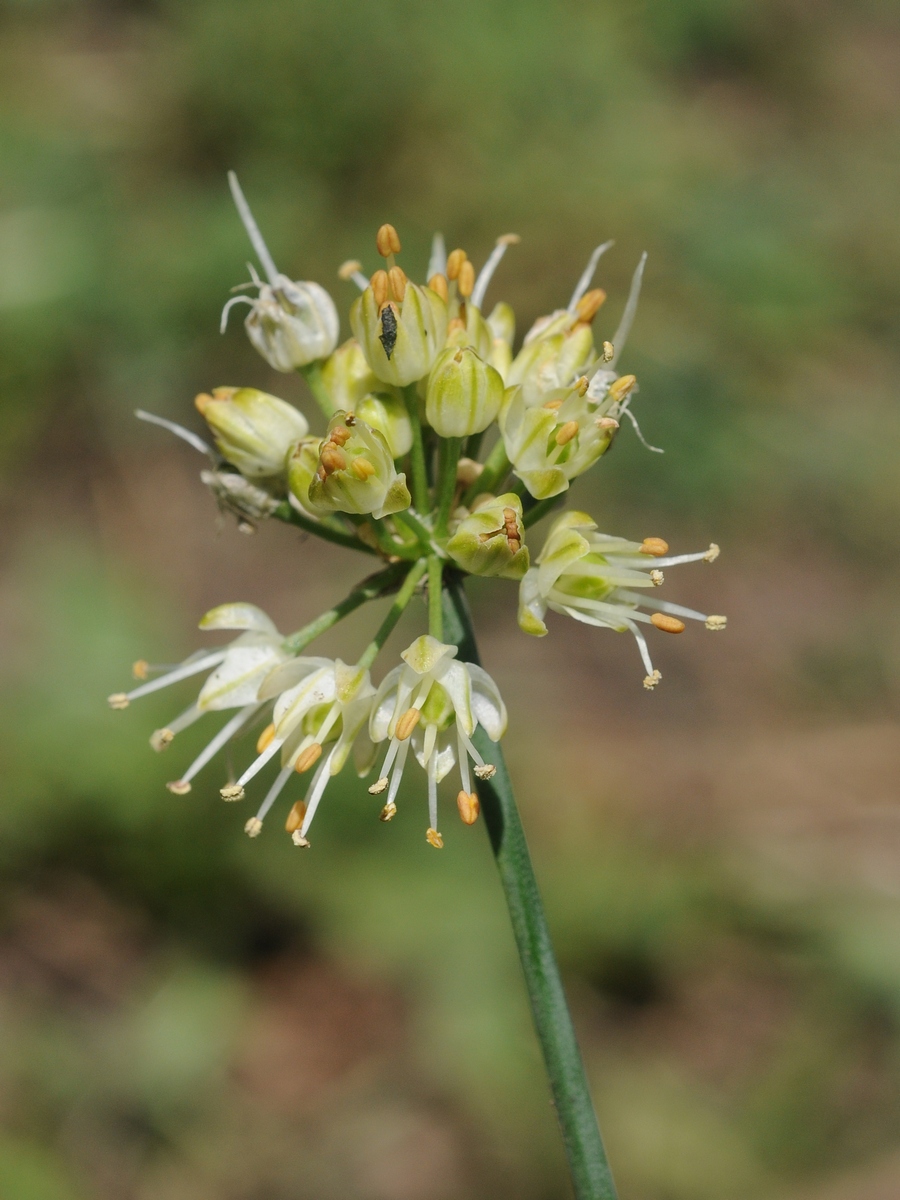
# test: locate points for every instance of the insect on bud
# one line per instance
(400, 337)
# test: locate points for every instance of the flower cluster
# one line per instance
(442, 445)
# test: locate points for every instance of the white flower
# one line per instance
(237, 671)
(435, 704)
(591, 576)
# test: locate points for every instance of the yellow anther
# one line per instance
(332, 458)
(553, 405)
(589, 304)
(161, 738)
(455, 325)
(566, 432)
(340, 435)
(651, 680)
(310, 755)
(407, 724)
(348, 269)
(232, 792)
(299, 840)
(581, 385)
(655, 547)
(379, 786)
(606, 423)
(667, 623)
(716, 623)
(486, 771)
(712, 553)
(387, 241)
(388, 812)
(140, 668)
(508, 239)
(466, 281)
(434, 839)
(379, 286)
(467, 471)
(438, 283)
(253, 828)
(398, 281)
(455, 260)
(295, 816)
(657, 578)
(607, 353)
(622, 387)
(265, 738)
(469, 807)
(362, 468)
(179, 787)
(118, 700)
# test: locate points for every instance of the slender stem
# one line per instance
(394, 613)
(539, 510)
(390, 546)
(588, 1166)
(446, 487)
(312, 373)
(368, 589)
(496, 468)
(417, 469)
(287, 513)
(408, 518)
(435, 599)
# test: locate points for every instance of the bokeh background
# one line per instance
(186, 1014)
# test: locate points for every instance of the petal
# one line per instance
(454, 678)
(239, 616)
(235, 682)
(425, 653)
(293, 705)
(289, 674)
(487, 703)
(383, 705)
(531, 605)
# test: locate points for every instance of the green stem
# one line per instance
(369, 589)
(287, 513)
(588, 1166)
(496, 468)
(312, 373)
(435, 599)
(446, 487)
(412, 522)
(394, 613)
(539, 510)
(390, 546)
(419, 480)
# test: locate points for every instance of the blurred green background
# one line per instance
(186, 1014)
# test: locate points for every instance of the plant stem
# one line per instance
(418, 473)
(496, 468)
(394, 613)
(287, 513)
(446, 486)
(435, 598)
(539, 510)
(368, 589)
(412, 522)
(588, 1166)
(312, 373)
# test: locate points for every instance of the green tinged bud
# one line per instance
(348, 377)
(491, 540)
(355, 471)
(388, 414)
(301, 468)
(464, 394)
(400, 338)
(253, 430)
(502, 322)
(473, 332)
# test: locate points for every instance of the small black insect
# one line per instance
(388, 335)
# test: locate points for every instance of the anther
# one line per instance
(657, 578)
(655, 547)
(622, 387)
(407, 724)
(455, 260)
(438, 283)
(179, 787)
(467, 471)
(379, 786)
(379, 286)
(508, 239)
(232, 791)
(332, 458)
(346, 271)
(160, 739)
(466, 282)
(388, 812)
(253, 828)
(666, 623)
(340, 435)
(712, 553)
(566, 432)
(469, 807)
(589, 305)
(295, 816)
(140, 668)
(362, 468)
(606, 423)
(581, 385)
(118, 700)
(265, 738)
(553, 405)
(486, 771)
(455, 325)
(298, 840)
(715, 623)
(397, 280)
(433, 838)
(608, 352)
(387, 240)
(652, 680)
(310, 755)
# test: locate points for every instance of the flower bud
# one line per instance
(355, 471)
(348, 377)
(292, 324)
(388, 414)
(253, 430)
(464, 394)
(301, 468)
(491, 540)
(472, 331)
(400, 338)
(502, 322)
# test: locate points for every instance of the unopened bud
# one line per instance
(292, 324)
(464, 393)
(491, 540)
(388, 414)
(253, 430)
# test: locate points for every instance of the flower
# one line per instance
(319, 702)
(237, 671)
(464, 393)
(355, 471)
(491, 540)
(443, 701)
(590, 576)
(254, 431)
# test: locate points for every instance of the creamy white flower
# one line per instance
(591, 576)
(434, 703)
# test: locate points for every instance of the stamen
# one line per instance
(310, 755)
(140, 668)
(256, 238)
(621, 335)
(621, 387)
(191, 667)
(225, 733)
(332, 458)
(352, 269)
(587, 275)
(232, 792)
(260, 761)
(387, 241)
(566, 432)
(407, 724)
(463, 764)
(379, 786)
(340, 435)
(606, 423)
(434, 839)
(607, 352)
(657, 578)
(487, 271)
(398, 772)
(715, 623)
(589, 305)
(712, 553)
(455, 260)
(388, 813)
(432, 791)
(179, 430)
(666, 623)
(274, 792)
(118, 700)
(438, 283)
(486, 771)
(362, 469)
(553, 405)
(379, 285)
(179, 787)
(397, 280)
(253, 828)
(581, 385)
(265, 738)
(652, 680)
(466, 281)
(314, 795)
(654, 546)
(437, 263)
(299, 840)
(160, 739)
(295, 816)
(469, 807)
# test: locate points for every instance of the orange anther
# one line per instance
(667, 624)
(310, 755)
(387, 240)
(438, 283)
(655, 547)
(265, 738)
